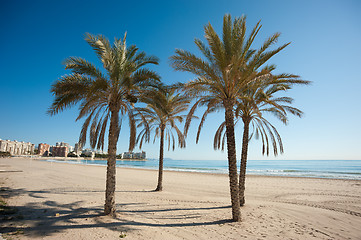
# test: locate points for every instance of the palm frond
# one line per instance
(82, 66)
(100, 94)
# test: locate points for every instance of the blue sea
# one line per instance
(337, 169)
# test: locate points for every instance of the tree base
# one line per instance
(237, 219)
(242, 201)
(158, 189)
(110, 212)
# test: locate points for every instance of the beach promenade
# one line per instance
(65, 201)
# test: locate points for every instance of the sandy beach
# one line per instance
(65, 201)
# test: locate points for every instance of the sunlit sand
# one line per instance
(65, 201)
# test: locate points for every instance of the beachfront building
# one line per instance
(139, 155)
(100, 152)
(59, 151)
(43, 149)
(132, 155)
(88, 153)
(62, 144)
(77, 149)
(127, 155)
(16, 148)
(71, 148)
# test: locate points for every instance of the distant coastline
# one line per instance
(129, 159)
(75, 158)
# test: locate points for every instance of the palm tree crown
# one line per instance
(164, 108)
(99, 94)
(259, 99)
(229, 65)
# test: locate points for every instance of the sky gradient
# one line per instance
(36, 36)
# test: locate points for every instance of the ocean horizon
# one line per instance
(334, 169)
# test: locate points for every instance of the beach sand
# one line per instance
(65, 201)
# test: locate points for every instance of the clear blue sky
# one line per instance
(36, 36)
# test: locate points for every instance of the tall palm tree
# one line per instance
(229, 66)
(105, 95)
(259, 98)
(163, 111)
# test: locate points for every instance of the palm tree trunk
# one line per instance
(242, 172)
(160, 171)
(109, 206)
(232, 161)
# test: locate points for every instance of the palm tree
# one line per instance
(104, 96)
(161, 114)
(229, 66)
(259, 98)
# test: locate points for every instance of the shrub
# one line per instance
(5, 154)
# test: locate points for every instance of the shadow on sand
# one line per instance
(40, 219)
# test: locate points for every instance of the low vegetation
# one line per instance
(4, 154)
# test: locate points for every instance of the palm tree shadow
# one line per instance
(216, 222)
(50, 217)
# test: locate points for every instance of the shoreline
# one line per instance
(174, 169)
(73, 158)
(57, 200)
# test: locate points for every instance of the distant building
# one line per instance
(88, 153)
(132, 155)
(100, 152)
(16, 148)
(139, 155)
(60, 151)
(127, 155)
(44, 149)
(77, 149)
(71, 148)
(62, 144)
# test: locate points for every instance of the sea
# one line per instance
(336, 169)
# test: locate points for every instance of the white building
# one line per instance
(71, 148)
(88, 153)
(127, 155)
(16, 148)
(132, 155)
